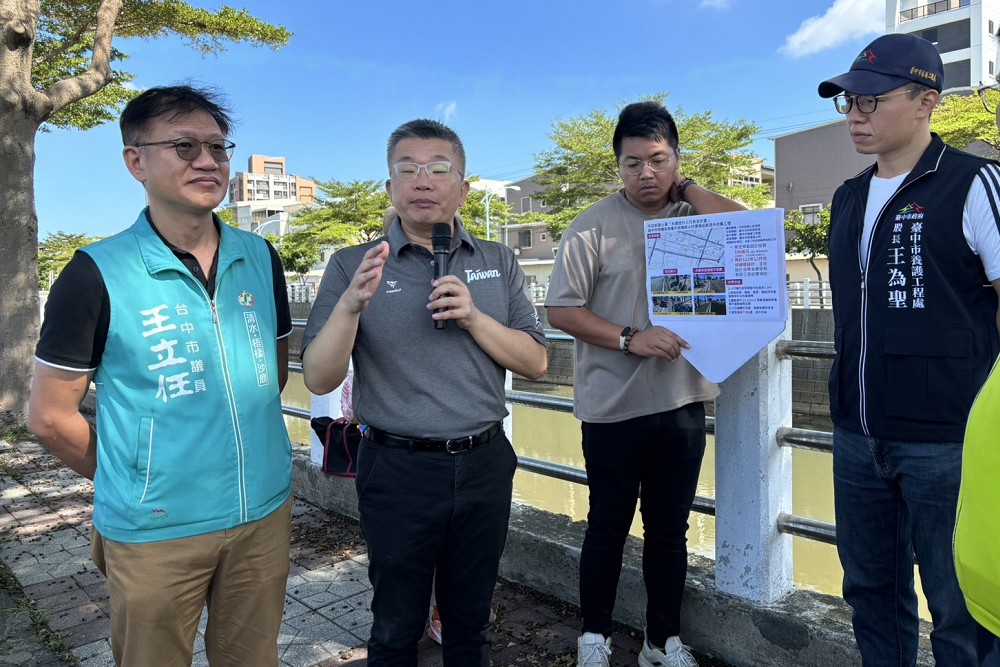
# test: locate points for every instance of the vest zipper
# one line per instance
(240, 454)
(863, 356)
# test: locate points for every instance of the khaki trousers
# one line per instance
(159, 589)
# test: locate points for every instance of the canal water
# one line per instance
(555, 436)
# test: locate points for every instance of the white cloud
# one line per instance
(844, 21)
(446, 110)
(714, 4)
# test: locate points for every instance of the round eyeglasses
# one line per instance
(865, 103)
(189, 149)
(408, 171)
(634, 166)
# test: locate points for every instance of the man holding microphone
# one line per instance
(435, 471)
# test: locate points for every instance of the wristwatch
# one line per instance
(625, 338)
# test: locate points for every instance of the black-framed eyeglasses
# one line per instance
(189, 148)
(989, 95)
(408, 171)
(865, 103)
(634, 166)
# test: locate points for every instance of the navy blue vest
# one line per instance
(916, 333)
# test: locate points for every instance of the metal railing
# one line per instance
(932, 8)
(790, 524)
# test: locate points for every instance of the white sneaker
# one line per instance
(676, 654)
(593, 650)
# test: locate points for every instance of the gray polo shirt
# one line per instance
(410, 378)
(601, 266)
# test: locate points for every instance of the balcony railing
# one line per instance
(932, 8)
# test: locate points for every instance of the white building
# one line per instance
(964, 32)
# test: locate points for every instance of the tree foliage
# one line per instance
(582, 168)
(347, 213)
(811, 239)
(962, 120)
(228, 216)
(55, 251)
(473, 212)
(67, 31)
(298, 251)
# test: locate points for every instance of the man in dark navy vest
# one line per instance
(914, 248)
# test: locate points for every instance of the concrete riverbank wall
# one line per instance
(804, 629)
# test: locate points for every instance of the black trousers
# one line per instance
(422, 511)
(655, 458)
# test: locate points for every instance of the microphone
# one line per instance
(441, 242)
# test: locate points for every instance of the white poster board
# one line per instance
(718, 281)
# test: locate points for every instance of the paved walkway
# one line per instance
(44, 525)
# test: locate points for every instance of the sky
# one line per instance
(499, 74)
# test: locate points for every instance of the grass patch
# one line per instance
(12, 427)
(52, 641)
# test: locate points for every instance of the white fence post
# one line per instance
(753, 479)
(806, 293)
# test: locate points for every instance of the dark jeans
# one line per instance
(421, 511)
(655, 458)
(896, 500)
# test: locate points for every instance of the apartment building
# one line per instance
(266, 193)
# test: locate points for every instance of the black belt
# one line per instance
(452, 446)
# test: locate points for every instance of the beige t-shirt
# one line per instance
(601, 266)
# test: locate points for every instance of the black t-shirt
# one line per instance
(78, 310)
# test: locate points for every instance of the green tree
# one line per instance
(962, 120)
(348, 213)
(298, 251)
(58, 70)
(228, 216)
(55, 250)
(812, 239)
(473, 212)
(582, 169)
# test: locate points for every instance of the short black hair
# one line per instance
(647, 120)
(422, 128)
(172, 101)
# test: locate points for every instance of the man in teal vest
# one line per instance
(181, 322)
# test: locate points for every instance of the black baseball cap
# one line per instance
(889, 62)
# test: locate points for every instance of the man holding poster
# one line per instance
(640, 403)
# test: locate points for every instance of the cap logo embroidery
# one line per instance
(868, 55)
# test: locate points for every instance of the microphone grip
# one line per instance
(440, 270)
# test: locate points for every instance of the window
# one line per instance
(931, 35)
(525, 204)
(810, 213)
(524, 238)
(274, 168)
(991, 28)
(541, 236)
(991, 68)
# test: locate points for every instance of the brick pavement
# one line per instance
(44, 525)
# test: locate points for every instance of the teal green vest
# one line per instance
(190, 435)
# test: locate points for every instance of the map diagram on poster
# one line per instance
(718, 281)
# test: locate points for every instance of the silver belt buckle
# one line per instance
(451, 445)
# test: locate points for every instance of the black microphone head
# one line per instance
(441, 237)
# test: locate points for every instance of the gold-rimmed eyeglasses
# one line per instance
(634, 166)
